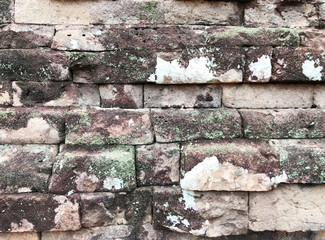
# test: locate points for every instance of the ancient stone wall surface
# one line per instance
(162, 120)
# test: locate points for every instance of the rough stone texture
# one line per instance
(122, 96)
(322, 15)
(319, 99)
(291, 123)
(210, 214)
(207, 96)
(81, 170)
(258, 67)
(38, 212)
(233, 165)
(312, 38)
(6, 11)
(182, 125)
(120, 66)
(288, 208)
(54, 94)
(202, 12)
(307, 65)
(267, 96)
(100, 209)
(33, 65)
(25, 36)
(20, 236)
(203, 65)
(34, 163)
(263, 13)
(158, 164)
(108, 126)
(120, 232)
(5, 94)
(31, 125)
(302, 160)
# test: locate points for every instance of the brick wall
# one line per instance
(162, 120)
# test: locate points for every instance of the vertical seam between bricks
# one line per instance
(241, 123)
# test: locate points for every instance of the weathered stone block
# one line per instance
(271, 14)
(120, 232)
(201, 12)
(81, 170)
(20, 236)
(31, 125)
(319, 93)
(25, 168)
(291, 123)
(100, 209)
(108, 126)
(182, 125)
(6, 11)
(207, 96)
(33, 65)
(307, 65)
(120, 66)
(233, 165)
(288, 208)
(158, 164)
(122, 96)
(267, 96)
(204, 65)
(39, 212)
(302, 160)
(258, 67)
(322, 15)
(5, 94)
(210, 214)
(25, 36)
(313, 39)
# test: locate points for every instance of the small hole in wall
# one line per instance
(69, 35)
(84, 35)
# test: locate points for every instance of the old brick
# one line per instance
(120, 232)
(31, 125)
(319, 93)
(38, 212)
(288, 208)
(158, 164)
(312, 38)
(33, 65)
(20, 236)
(201, 12)
(182, 125)
(207, 96)
(108, 126)
(121, 95)
(232, 165)
(204, 65)
(5, 94)
(290, 123)
(302, 160)
(34, 163)
(101, 209)
(6, 11)
(25, 36)
(258, 67)
(267, 96)
(322, 15)
(82, 170)
(210, 214)
(307, 65)
(271, 14)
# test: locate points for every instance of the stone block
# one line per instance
(288, 208)
(5, 94)
(285, 123)
(98, 126)
(31, 126)
(183, 125)
(101, 169)
(319, 93)
(322, 15)
(158, 164)
(6, 11)
(267, 96)
(194, 96)
(20, 236)
(39, 212)
(101, 209)
(210, 214)
(25, 36)
(307, 65)
(34, 163)
(121, 95)
(312, 39)
(119, 232)
(33, 65)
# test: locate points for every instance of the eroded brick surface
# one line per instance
(6, 11)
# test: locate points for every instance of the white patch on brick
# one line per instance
(262, 69)
(312, 70)
(16, 94)
(23, 226)
(110, 183)
(279, 179)
(177, 220)
(189, 199)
